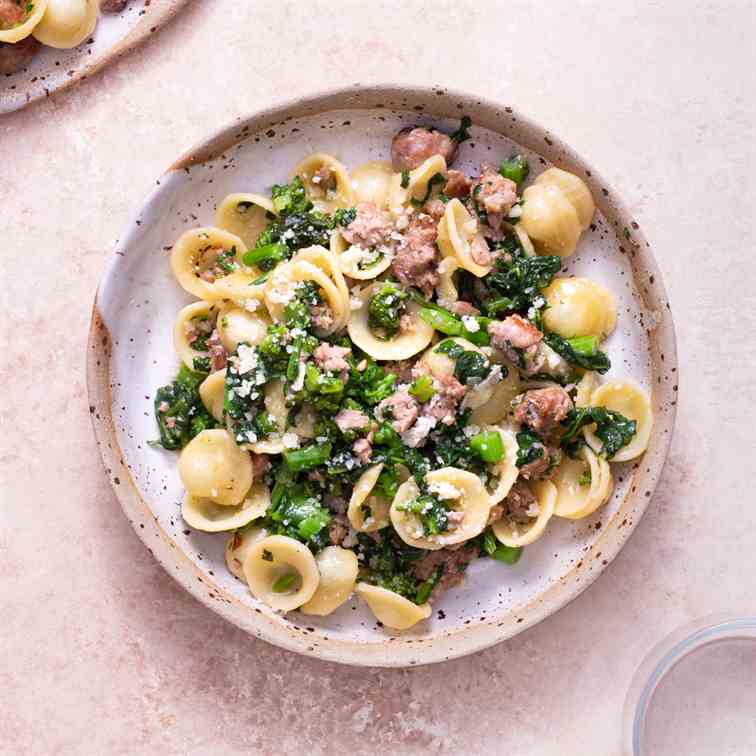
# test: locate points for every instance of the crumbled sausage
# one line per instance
(443, 404)
(339, 528)
(494, 195)
(348, 419)
(371, 227)
(322, 316)
(513, 333)
(519, 503)
(415, 263)
(543, 409)
(453, 562)
(457, 184)
(435, 208)
(400, 409)
(412, 147)
(218, 354)
(260, 464)
(544, 466)
(331, 357)
(461, 307)
(14, 57)
(12, 13)
(363, 450)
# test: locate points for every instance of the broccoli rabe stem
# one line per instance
(271, 253)
(307, 457)
(488, 446)
(515, 169)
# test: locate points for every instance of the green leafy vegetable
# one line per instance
(385, 309)
(296, 512)
(344, 216)
(307, 457)
(425, 588)
(613, 428)
(290, 198)
(432, 512)
(507, 554)
(582, 352)
(266, 256)
(462, 134)
(389, 562)
(422, 388)
(530, 447)
(405, 179)
(516, 283)
(515, 169)
(469, 366)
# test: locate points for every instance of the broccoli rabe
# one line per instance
(462, 134)
(448, 323)
(179, 410)
(491, 547)
(344, 216)
(515, 283)
(469, 366)
(516, 169)
(290, 198)
(389, 562)
(530, 448)
(385, 310)
(371, 385)
(432, 512)
(296, 512)
(613, 428)
(581, 351)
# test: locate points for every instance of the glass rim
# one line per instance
(665, 655)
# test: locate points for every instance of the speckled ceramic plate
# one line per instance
(115, 35)
(131, 353)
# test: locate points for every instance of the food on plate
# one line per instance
(385, 376)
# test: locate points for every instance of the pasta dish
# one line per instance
(385, 376)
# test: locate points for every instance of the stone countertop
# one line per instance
(102, 651)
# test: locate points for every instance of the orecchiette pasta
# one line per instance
(406, 343)
(459, 236)
(193, 325)
(550, 220)
(27, 26)
(67, 23)
(211, 392)
(632, 402)
(499, 406)
(462, 491)
(238, 546)
(372, 182)
(517, 535)
(238, 324)
(503, 473)
(212, 466)
(579, 307)
(204, 514)
(338, 569)
(328, 262)
(419, 184)
(439, 364)
(281, 572)
(446, 290)
(326, 182)
(195, 263)
(244, 215)
(367, 511)
(582, 485)
(574, 189)
(390, 608)
(585, 389)
(275, 405)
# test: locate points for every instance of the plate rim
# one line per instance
(147, 25)
(438, 102)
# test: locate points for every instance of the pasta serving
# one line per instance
(383, 377)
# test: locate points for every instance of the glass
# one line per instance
(695, 693)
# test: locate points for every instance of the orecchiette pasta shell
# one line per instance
(238, 546)
(211, 393)
(212, 466)
(238, 324)
(328, 262)
(446, 290)
(521, 534)
(499, 406)
(361, 497)
(184, 349)
(24, 29)
(404, 345)
(417, 185)
(391, 609)
(206, 515)
(186, 255)
(276, 557)
(550, 220)
(585, 388)
(363, 264)
(338, 575)
(576, 191)
(371, 182)
(505, 471)
(458, 231)
(579, 307)
(274, 399)
(473, 501)
(632, 402)
(245, 215)
(326, 200)
(439, 364)
(67, 23)
(575, 500)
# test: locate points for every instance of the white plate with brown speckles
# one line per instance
(51, 70)
(130, 354)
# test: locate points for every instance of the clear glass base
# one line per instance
(695, 694)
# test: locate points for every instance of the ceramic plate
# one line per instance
(131, 353)
(116, 34)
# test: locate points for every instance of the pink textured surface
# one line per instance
(102, 652)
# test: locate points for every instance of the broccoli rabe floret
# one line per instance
(614, 429)
(385, 310)
(432, 512)
(515, 169)
(179, 410)
(290, 198)
(515, 283)
(296, 511)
